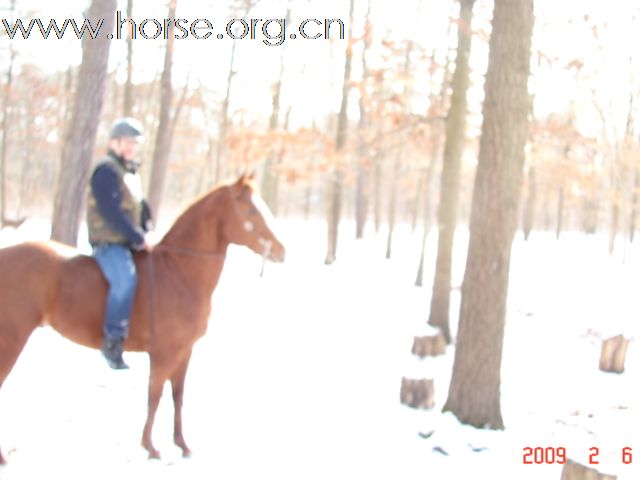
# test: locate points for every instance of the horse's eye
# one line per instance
(253, 210)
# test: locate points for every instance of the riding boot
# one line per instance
(112, 351)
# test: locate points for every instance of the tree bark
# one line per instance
(164, 139)
(450, 180)
(127, 105)
(417, 393)
(393, 200)
(79, 143)
(268, 176)
(560, 211)
(576, 471)
(474, 392)
(530, 208)
(427, 212)
(336, 180)
(377, 192)
(5, 132)
(633, 215)
(224, 119)
(613, 354)
(364, 166)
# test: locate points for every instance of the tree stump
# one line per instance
(613, 353)
(417, 393)
(429, 345)
(575, 471)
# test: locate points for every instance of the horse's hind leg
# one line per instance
(177, 387)
(13, 337)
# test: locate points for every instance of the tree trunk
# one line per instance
(269, 175)
(429, 345)
(613, 354)
(450, 180)
(224, 119)
(427, 212)
(164, 139)
(560, 212)
(5, 132)
(127, 105)
(633, 215)
(377, 192)
(576, 471)
(393, 200)
(78, 147)
(530, 207)
(615, 221)
(363, 173)
(335, 184)
(417, 393)
(474, 392)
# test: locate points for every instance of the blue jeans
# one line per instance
(116, 263)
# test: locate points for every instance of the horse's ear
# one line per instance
(241, 180)
(252, 175)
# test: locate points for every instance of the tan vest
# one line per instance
(131, 190)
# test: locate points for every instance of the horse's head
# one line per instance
(248, 221)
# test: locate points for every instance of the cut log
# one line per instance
(575, 471)
(429, 345)
(417, 393)
(613, 353)
(15, 223)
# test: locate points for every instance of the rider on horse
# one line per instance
(117, 219)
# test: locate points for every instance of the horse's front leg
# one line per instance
(177, 386)
(156, 382)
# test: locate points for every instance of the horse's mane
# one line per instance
(199, 202)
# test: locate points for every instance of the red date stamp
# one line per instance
(558, 455)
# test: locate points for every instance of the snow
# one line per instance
(299, 374)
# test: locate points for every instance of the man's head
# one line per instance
(125, 137)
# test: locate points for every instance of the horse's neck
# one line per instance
(195, 242)
(198, 227)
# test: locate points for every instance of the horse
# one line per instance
(49, 283)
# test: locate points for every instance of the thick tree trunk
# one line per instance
(336, 176)
(78, 148)
(450, 181)
(163, 140)
(474, 392)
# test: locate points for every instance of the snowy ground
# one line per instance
(299, 374)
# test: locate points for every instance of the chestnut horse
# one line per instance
(48, 283)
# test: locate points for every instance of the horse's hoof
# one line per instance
(186, 453)
(154, 454)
